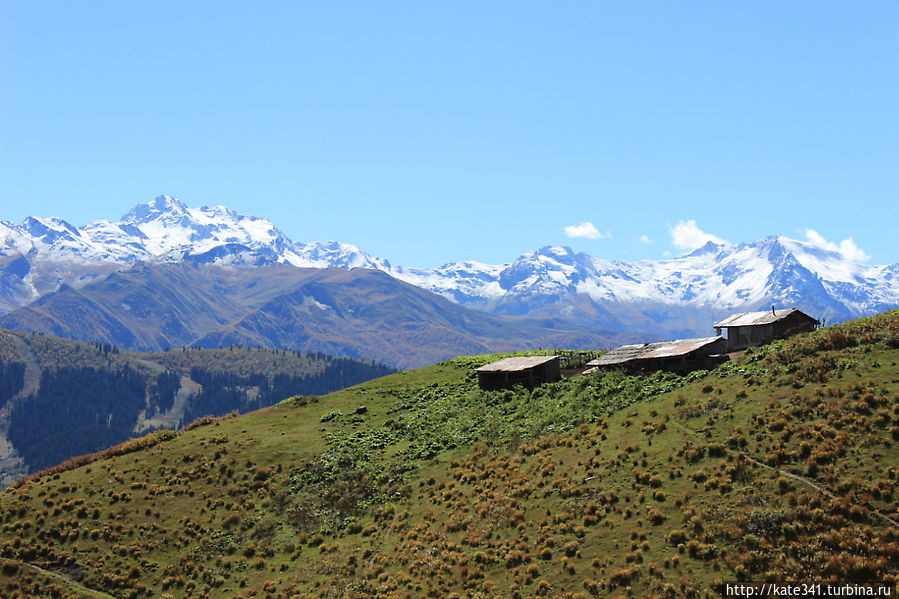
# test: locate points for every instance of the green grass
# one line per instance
(782, 466)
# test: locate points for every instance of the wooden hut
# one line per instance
(757, 328)
(527, 371)
(681, 355)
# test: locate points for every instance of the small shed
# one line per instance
(527, 371)
(681, 354)
(757, 328)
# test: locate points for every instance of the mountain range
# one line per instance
(167, 274)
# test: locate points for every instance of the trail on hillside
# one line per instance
(68, 581)
(807, 481)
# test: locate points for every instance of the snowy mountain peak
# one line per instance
(167, 230)
(51, 227)
(162, 207)
(710, 248)
(335, 254)
(559, 251)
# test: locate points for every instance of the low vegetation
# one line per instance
(781, 465)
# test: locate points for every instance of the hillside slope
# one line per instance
(779, 467)
(60, 398)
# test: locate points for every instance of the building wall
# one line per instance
(792, 325)
(750, 336)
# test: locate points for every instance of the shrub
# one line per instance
(623, 576)
(655, 516)
(354, 527)
(676, 536)
(699, 476)
(543, 587)
(716, 449)
(9, 567)
(701, 550)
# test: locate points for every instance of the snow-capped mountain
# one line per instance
(675, 295)
(166, 229)
(45, 253)
(716, 279)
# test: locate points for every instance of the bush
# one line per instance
(676, 536)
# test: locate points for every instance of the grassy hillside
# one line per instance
(781, 466)
(61, 398)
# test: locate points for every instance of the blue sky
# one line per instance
(428, 132)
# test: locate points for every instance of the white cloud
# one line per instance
(846, 248)
(645, 239)
(687, 236)
(585, 230)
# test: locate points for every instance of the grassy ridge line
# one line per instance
(587, 487)
(129, 446)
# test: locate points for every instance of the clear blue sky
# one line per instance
(426, 132)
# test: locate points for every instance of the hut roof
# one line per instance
(646, 351)
(749, 319)
(516, 364)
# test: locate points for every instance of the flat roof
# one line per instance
(647, 351)
(748, 319)
(517, 363)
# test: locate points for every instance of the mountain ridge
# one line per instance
(356, 313)
(40, 255)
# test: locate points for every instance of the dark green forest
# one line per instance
(76, 411)
(225, 392)
(12, 378)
